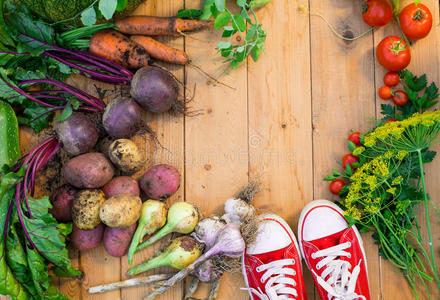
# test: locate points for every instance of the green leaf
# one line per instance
(228, 31)
(432, 91)
(241, 3)
(65, 114)
(220, 4)
(415, 83)
(238, 23)
(189, 13)
(223, 45)
(88, 16)
(108, 8)
(122, 4)
(256, 52)
(206, 9)
(351, 146)
(329, 178)
(222, 20)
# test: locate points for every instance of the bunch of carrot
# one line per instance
(135, 51)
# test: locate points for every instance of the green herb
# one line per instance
(387, 185)
(106, 8)
(245, 23)
(421, 97)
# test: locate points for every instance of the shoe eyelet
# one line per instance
(318, 267)
(294, 262)
(349, 255)
(313, 256)
(261, 280)
(294, 284)
(258, 269)
(294, 273)
(349, 244)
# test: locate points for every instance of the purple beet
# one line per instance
(122, 118)
(154, 89)
(160, 182)
(78, 134)
(84, 240)
(62, 201)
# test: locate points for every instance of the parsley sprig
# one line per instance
(245, 23)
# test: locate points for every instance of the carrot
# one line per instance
(147, 25)
(116, 47)
(161, 51)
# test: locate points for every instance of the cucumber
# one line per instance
(9, 141)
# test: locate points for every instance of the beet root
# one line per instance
(154, 89)
(78, 134)
(62, 201)
(121, 185)
(84, 240)
(117, 240)
(122, 118)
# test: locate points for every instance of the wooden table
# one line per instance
(285, 123)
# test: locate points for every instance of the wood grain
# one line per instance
(343, 97)
(280, 125)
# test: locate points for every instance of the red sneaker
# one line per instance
(272, 265)
(333, 252)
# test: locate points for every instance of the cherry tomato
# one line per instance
(336, 186)
(393, 53)
(415, 21)
(377, 12)
(349, 159)
(385, 92)
(391, 79)
(391, 120)
(355, 138)
(400, 98)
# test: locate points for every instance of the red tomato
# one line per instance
(355, 138)
(336, 186)
(400, 98)
(391, 79)
(415, 21)
(377, 12)
(393, 53)
(349, 159)
(385, 92)
(390, 120)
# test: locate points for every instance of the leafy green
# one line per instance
(88, 16)
(108, 8)
(252, 41)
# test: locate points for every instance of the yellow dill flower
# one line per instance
(371, 181)
(401, 154)
(380, 167)
(358, 150)
(354, 212)
(373, 209)
(402, 206)
(391, 190)
(396, 181)
(376, 200)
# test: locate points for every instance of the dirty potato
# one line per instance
(121, 211)
(85, 208)
(125, 155)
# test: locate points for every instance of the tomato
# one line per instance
(377, 12)
(390, 120)
(336, 186)
(385, 92)
(400, 98)
(415, 21)
(349, 159)
(355, 138)
(391, 79)
(393, 53)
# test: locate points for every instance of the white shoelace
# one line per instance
(340, 283)
(276, 280)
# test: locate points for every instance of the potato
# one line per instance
(125, 155)
(121, 185)
(117, 240)
(84, 240)
(160, 182)
(85, 208)
(91, 170)
(62, 201)
(120, 211)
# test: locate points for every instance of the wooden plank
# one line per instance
(216, 158)
(169, 128)
(280, 128)
(425, 59)
(343, 97)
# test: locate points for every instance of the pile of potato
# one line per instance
(104, 207)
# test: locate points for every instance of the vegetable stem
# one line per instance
(128, 283)
(160, 234)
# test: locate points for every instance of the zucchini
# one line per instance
(9, 140)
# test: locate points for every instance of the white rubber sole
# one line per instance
(289, 230)
(314, 204)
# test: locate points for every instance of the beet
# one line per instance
(154, 89)
(78, 134)
(84, 240)
(160, 182)
(62, 201)
(117, 240)
(122, 118)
